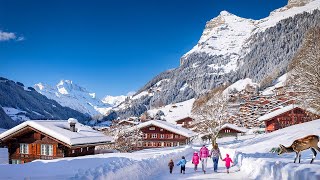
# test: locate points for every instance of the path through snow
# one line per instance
(191, 174)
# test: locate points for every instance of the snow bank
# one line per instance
(137, 165)
(253, 155)
(136, 169)
(4, 156)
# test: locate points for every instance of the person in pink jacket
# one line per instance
(195, 160)
(228, 161)
(204, 153)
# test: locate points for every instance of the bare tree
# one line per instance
(210, 112)
(126, 138)
(304, 77)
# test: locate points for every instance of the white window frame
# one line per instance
(87, 148)
(15, 161)
(162, 136)
(81, 150)
(153, 136)
(24, 148)
(152, 128)
(72, 151)
(46, 149)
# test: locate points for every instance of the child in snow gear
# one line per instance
(215, 154)
(170, 164)
(228, 160)
(195, 160)
(204, 153)
(182, 163)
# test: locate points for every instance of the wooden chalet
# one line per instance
(158, 133)
(288, 116)
(185, 122)
(50, 139)
(128, 123)
(231, 130)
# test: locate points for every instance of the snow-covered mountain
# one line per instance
(19, 103)
(74, 96)
(230, 48)
(114, 100)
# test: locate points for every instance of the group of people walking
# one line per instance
(203, 156)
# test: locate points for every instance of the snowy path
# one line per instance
(191, 174)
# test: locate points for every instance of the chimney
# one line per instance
(72, 122)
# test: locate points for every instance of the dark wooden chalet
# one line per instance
(159, 133)
(288, 116)
(50, 139)
(185, 122)
(231, 130)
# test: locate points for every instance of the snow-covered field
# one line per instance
(139, 165)
(251, 154)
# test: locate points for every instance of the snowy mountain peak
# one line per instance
(74, 96)
(297, 3)
(114, 100)
(67, 86)
(225, 13)
(224, 35)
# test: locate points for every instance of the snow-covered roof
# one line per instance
(128, 121)
(59, 129)
(168, 126)
(232, 126)
(283, 110)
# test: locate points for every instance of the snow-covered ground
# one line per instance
(16, 114)
(251, 154)
(138, 165)
(174, 112)
(4, 156)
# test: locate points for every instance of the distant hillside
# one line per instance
(18, 103)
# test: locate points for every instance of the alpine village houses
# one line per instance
(288, 116)
(50, 139)
(231, 130)
(159, 133)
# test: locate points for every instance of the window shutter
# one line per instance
(29, 148)
(38, 149)
(54, 146)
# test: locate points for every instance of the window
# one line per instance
(46, 149)
(161, 136)
(15, 161)
(153, 135)
(146, 136)
(161, 129)
(152, 128)
(72, 151)
(24, 148)
(176, 136)
(81, 149)
(87, 148)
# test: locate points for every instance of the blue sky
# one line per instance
(109, 47)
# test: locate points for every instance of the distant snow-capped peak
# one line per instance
(74, 96)
(114, 100)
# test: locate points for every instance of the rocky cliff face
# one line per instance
(230, 48)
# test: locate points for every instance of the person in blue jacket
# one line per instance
(182, 163)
